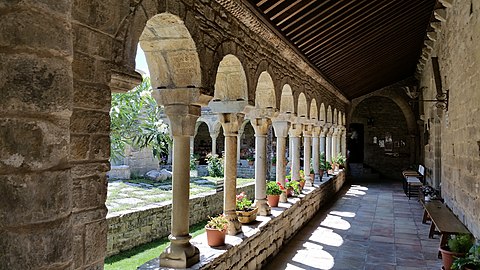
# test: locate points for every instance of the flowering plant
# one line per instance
(217, 223)
(295, 185)
(302, 176)
(243, 203)
(274, 188)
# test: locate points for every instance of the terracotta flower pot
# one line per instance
(320, 174)
(273, 200)
(448, 257)
(215, 237)
(302, 184)
(289, 192)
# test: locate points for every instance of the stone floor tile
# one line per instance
(373, 226)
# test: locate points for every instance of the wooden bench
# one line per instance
(413, 180)
(444, 222)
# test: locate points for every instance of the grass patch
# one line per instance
(133, 258)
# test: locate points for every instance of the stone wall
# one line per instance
(130, 230)
(452, 152)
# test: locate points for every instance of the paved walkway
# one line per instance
(372, 226)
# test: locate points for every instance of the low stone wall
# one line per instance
(263, 242)
(130, 230)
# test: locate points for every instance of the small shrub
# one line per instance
(214, 165)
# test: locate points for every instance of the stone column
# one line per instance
(307, 153)
(316, 152)
(239, 140)
(261, 125)
(214, 137)
(328, 147)
(339, 142)
(343, 140)
(183, 110)
(281, 127)
(230, 123)
(295, 133)
(334, 142)
(323, 134)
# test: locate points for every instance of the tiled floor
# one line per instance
(372, 226)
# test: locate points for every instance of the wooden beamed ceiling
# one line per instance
(359, 45)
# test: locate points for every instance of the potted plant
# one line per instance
(293, 187)
(216, 229)
(245, 212)
(274, 190)
(214, 165)
(341, 161)
(301, 181)
(470, 262)
(457, 247)
(325, 166)
(250, 156)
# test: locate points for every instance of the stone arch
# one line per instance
(171, 53)
(323, 114)
(339, 118)
(329, 114)
(302, 109)
(231, 81)
(313, 110)
(286, 101)
(265, 91)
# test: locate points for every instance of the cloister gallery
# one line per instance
(389, 84)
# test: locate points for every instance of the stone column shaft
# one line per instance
(295, 172)
(307, 151)
(281, 132)
(214, 144)
(316, 155)
(260, 125)
(239, 144)
(322, 143)
(328, 148)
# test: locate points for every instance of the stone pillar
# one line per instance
(334, 142)
(316, 152)
(192, 144)
(323, 141)
(281, 126)
(38, 201)
(239, 140)
(295, 133)
(328, 145)
(182, 108)
(261, 125)
(230, 123)
(214, 137)
(307, 153)
(343, 148)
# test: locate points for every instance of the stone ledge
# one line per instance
(261, 240)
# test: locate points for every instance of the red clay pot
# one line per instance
(448, 257)
(215, 237)
(273, 200)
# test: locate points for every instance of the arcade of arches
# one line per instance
(61, 60)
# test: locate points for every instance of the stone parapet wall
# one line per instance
(130, 230)
(265, 242)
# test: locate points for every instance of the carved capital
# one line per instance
(261, 125)
(182, 118)
(231, 122)
(295, 130)
(281, 128)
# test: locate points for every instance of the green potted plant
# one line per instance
(293, 187)
(324, 165)
(457, 247)
(470, 262)
(216, 229)
(301, 181)
(214, 165)
(274, 190)
(341, 161)
(245, 212)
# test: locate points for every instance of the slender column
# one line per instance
(323, 133)
(281, 132)
(344, 142)
(307, 153)
(214, 137)
(316, 152)
(334, 142)
(295, 133)
(230, 123)
(239, 140)
(192, 144)
(182, 115)
(328, 145)
(260, 125)
(339, 142)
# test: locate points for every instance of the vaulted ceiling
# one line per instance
(359, 45)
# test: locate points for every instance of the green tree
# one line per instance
(135, 120)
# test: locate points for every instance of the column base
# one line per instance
(283, 197)
(234, 226)
(263, 207)
(308, 181)
(180, 254)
